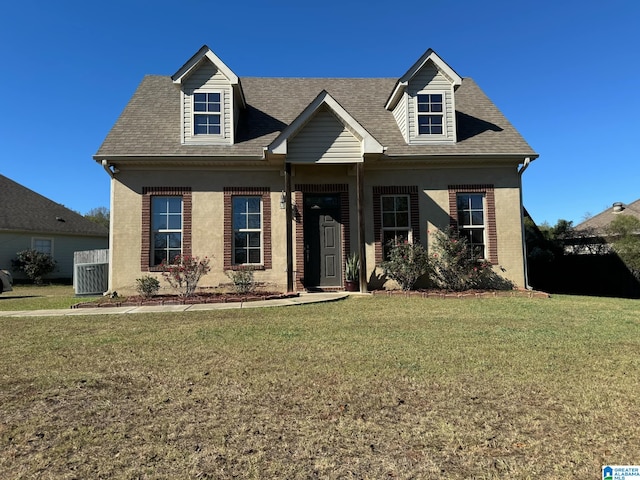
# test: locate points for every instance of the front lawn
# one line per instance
(40, 297)
(369, 387)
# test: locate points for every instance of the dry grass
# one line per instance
(366, 388)
(40, 297)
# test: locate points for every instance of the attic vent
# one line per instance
(60, 219)
(617, 207)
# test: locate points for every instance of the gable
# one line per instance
(423, 101)
(318, 120)
(211, 99)
(430, 79)
(324, 139)
(207, 78)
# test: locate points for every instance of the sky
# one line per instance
(564, 72)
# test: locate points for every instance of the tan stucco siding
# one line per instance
(434, 207)
(208, 213)
(430, 80)
(207, 79)
(324, 139)
(207, 223)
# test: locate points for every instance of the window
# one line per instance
(471, 224)
(396, 225)
(247, 230)
(43, 245)
(207, 116)
(430, 109)
(166, 228)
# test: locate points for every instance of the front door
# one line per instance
(322, 241)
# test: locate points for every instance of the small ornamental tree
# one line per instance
(34, 264)
(184, 272)
(407, 262)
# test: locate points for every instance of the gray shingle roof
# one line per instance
(599, 222)
(150, 123)
(24, 210)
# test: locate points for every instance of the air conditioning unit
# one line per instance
(91, 278)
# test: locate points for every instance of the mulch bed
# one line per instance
(463, 295)
(138, 301)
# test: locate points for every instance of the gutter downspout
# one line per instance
(525, 165)
(107, 168)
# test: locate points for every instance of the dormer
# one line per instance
(423, 101)
(211, 98)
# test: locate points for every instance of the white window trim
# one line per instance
(416, 115)
(476, 227)
(247, 230)
(408, 229)
(49, 239)
(166, 230)
(192, 98)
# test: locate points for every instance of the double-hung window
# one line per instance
(247, 230)
(207, 117)
(430, 112)
(43, 245)
(166, 226)
(471, 221)
(396, 224)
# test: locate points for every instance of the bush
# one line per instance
(34, 264)
(147, 286)
(456, 268)
(406, 264)
(242, 278)
(184, 272)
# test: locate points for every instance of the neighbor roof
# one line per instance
(603, 219)
(24, 210)
(150, 124)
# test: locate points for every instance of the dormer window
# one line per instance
(430, 111)
(207, 108)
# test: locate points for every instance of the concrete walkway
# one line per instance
(304, 298)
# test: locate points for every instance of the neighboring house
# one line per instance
(589, 266)
(598, 223)
(290, 175)
(30, 221)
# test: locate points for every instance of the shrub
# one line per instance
(34, 264)
(242, 278)
(184, 272)
(457, 268)
(147, 286)
(406, 264)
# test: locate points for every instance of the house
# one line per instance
(30, 221)
(291, 175)
(580, 261)
(597, 225)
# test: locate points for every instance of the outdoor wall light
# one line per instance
(283, 201)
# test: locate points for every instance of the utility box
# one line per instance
(91, 277)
